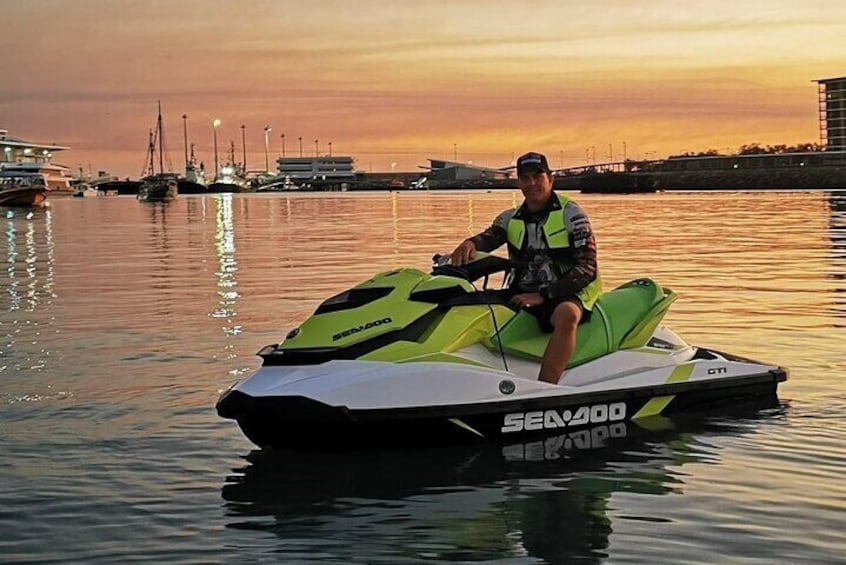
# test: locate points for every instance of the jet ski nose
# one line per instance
(231, 403)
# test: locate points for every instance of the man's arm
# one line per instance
(494, 236)
(583, 245)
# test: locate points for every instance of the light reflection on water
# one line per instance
(120, 323)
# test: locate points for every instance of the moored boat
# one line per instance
(161, 186)
(22, 189)
(231, 176)
(26, 157)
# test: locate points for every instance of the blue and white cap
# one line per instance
(532, 162)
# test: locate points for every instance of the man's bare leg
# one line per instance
(562, 341)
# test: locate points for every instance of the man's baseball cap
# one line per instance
(532, 162)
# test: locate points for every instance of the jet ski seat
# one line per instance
(623, 318)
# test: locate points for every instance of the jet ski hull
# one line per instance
(297, 421)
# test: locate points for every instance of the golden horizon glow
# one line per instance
(397, 82)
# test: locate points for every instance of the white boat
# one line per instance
(231, 177)
(25, 157)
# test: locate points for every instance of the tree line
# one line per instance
(757, 149)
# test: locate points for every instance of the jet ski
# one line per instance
(409, 357)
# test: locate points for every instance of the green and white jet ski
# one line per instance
(408, 357)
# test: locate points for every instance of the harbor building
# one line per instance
(312, 172)
(832, 108)
(446, 171)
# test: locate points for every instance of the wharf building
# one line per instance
(832, 108)
(447, 172)
(323, 172)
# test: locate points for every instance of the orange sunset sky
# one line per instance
(396, 82)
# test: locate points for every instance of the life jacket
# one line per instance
(557, 237)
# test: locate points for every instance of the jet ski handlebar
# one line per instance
(482, 265)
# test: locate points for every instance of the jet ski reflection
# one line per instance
(548, 497)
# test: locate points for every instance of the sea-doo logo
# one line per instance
(361, 328)
(551, 419)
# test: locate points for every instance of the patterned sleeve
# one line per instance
(495, 235)
(583, 245)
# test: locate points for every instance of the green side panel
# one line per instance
(459, 327)
(342, 328)
(658, 403)
(654, 407)
(681, 373)
(622, 318)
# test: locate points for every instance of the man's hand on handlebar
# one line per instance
(463, 254)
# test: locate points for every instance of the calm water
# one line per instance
(120, 322)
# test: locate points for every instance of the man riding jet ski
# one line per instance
(408, 358)
(551, 237)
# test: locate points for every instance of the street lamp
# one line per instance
(244, 145)
(215, 125)
(300, 139)
(316, 149)
(330, 148)
(455, 152)
(283, 144)
(267, 130)
(185, 135)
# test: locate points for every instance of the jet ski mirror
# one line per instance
(482, 266)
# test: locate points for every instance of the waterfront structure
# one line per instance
(17, 155)
(832, 108)
(322, 170)
(442, 171)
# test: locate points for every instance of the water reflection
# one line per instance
(159, 250)
(27, 286)
(547, 498)
(30, 259)
(837, 233)
(227, 291)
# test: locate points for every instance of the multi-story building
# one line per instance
(315, 171)
(832, 105)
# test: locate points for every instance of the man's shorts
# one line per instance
(543, 312)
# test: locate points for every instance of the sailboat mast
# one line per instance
(161, 140)
(151, 151)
